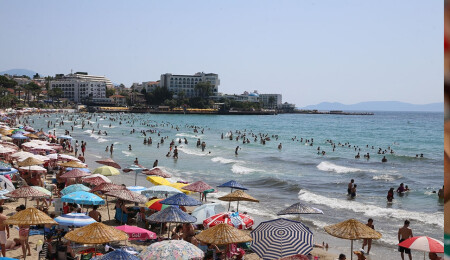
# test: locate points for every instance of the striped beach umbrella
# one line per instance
(74, 219)
(424, 244)
(155, 204)
(280, 238)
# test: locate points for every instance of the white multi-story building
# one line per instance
(79, 87)
(270, 100)
(186, 83)
(149, 86)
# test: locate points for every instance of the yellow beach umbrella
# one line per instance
(158, 180)
(106, 171)
(96, 233)
(179, 186)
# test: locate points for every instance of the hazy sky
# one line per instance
(309, 51)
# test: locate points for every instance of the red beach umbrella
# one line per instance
(26, 192)
(424, 244)
(75, 173)
(127, 195)
(94, 181)
(106, 187)
(157, 172)
(234, 219)
(198, 186)
(109, 162)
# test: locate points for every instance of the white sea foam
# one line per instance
(239, 169)
(372, 210)
(224, 160)
(386, 177)
(99, 139)
(331, 167)
(191, 151)
(189, 135)
(127, 153)
(107, 126)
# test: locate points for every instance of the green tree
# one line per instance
(36, 76)
(203, 89)
(109, 92)
(55, 93)
(271, 101)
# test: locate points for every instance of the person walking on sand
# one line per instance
(4, 231)
(23, 237)
(404, 233)
(368, 242)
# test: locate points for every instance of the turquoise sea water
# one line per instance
(279, 178)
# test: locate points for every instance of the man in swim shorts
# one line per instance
(404, 233)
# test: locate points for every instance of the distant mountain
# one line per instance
(19, 72)
(378, 106)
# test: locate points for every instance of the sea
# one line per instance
(298, 172)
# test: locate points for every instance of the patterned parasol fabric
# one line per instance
(424, 244)
(25, 192)
(157, 172)
(30, 161)
(96, 181)
(172, 250)
(96, 233)
(223, 234)
(281, 238)
(106, 187)
(109, 162)
(127, 195)
(30, 216)
(352, 229)
(198, 186)
(232, 184)
(181, 199)
(75, 173)
(118, 254)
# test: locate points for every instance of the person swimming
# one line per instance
(384, 159)
(401, 188)
(353, 192)
(390, 195)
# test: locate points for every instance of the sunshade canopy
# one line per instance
(223, 234)
(127, 195)
(300, 208)
(238, 195)
(75, 173)
(96, 233)
(157, 172)
(73, 188)
(25, 192)
(137, 233)
(352, 229)
(83, 198)
(181, 199)
(198, 186)
(233, 184)
(30, 161)
(106, 171)
(109, 162)
(172, 214)
(172, 250)
(30, 216)
(74, 219)
(106, 187)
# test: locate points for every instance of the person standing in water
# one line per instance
(404, 233)
(350, 186)
(236, 150)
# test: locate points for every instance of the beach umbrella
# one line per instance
(30, 161)
(179, 186)
(198, 186)
(158, 180)
(137, 169)
(30, 216)
(223, 234)
(106, 179)
(5, 150)
(155, 204)
(33, 168)
(233, 185)
(75, 173)
(73, 188)
(181, 199)
(26, 192)
(160, 190)
(7, 258)
(300, 208)
(83, 198)
(73, 164)
(137, 233)
(19, 136)
(137, 189)
(2, 194)
(238, 195)
(117, 254)
(30, 135)
(157, 172)
(66, 137)
(109, 162)
(424, 244)
(172, 250)
(352, 229)
(106, 171)
(96, 233)
(6, 184)
(280, 238)
(66, 157)
(106, 187)
(21, 130)
(6, 138)
(21, 154)
(68, 169)
(127, 195)
(12, 171)
(43, 190)
(94, 181)
(206, 210)
(172, 214)
(74, 219)
(234, 219)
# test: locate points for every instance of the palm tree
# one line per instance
(271, 101)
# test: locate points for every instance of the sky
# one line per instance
(309, 51)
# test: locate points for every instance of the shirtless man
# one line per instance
(404, 233)
(350, 186)
(368, 242)
(95, 214)
(4, 231)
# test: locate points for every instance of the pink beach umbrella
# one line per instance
(137, 233)
(424, 244)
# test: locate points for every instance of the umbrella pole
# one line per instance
(237, 208)
(107, 206)
(229, 202)
(160, 230)
(351, 250)
(25, 202)
(135, 178)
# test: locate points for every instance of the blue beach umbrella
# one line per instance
(207, 210)
(73, 188)
(233, 185)
(74, 219)
(172, 214)
(2, 194)
(181, 199)
(279, 238)
(137, 189)
(160, 190)
(81, 169)
(19, 136)
(83, 198)
(117, 255)
(11, 171)
(7, 258)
